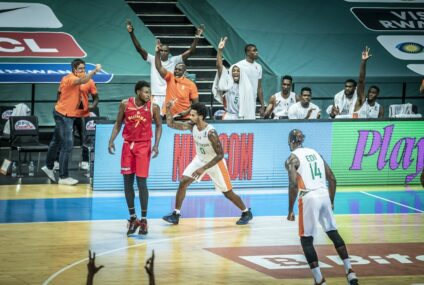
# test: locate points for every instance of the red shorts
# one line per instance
(135, 158)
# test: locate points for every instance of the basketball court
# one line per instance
(47, 230)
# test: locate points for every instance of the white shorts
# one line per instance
(218, 173)
(159, 100)
(314, 207)
(230, 116)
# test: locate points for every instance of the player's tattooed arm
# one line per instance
(217, 147)
(179, 125)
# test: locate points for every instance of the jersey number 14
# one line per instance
(315, 171)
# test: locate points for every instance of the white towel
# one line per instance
(246, 96)
(340, 101)
(20, 110)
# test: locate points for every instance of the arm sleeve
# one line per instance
(93, 88)
(168, 76)
(150, 58)
(194, 93)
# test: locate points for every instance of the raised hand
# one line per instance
(149, 267)
(158, 45)
(130, 27)
(98, 67)
(200, 30)
(91, 265)
(366, 53)
(222, 42)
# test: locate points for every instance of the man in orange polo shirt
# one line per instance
(181, 90)
(71, 104)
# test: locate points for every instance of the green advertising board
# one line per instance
(377, 152)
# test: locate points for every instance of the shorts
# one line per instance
(218, 173)
(159, 100)
(314, 208)
(230, 116)
(135, 158)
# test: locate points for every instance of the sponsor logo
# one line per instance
(90, 126)
(399, 156)
(410, 47)
(404, 47)
(39, 44)
(6, 114)
(27, 15)
(390, 19)
(44, 72)
(24, 125)
(288, 262)
(418, 68)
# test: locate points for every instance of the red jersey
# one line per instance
(138, 122)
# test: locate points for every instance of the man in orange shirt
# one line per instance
(181, 90)
(72, 103)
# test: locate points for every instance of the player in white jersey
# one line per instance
(304, 109)
(369, 107)
(308, 174)
(280, 102)
(209, 160)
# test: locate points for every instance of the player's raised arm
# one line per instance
(175, 124)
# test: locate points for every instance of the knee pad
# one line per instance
(308, 249)
(336, 238)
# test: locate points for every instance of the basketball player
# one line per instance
(308, 173)
(209, 159)
(138, 114)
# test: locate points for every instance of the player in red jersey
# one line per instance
(137, 113)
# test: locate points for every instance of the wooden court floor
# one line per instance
(387, 248)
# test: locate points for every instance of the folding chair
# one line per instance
(407, 110)
(24, 137)
(88, 136)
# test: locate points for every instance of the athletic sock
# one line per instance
(347, 265)
(316, 272)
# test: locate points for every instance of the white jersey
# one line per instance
(158, 84)
(282, 105)
(231, 98)
(253, 72)
(311, 171)
(297, 111)
(204, 149)
(368, 111)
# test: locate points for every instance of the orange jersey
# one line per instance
(73, 100)
(182, 90)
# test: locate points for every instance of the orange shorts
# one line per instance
(135, 158)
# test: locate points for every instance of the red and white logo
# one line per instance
(90, 126)
(39, 44)
(24, 125)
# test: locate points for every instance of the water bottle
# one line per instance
(31, 168)
(14, 169)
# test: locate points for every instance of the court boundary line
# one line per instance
(146, 243)
(390, 201)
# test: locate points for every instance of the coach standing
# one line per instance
(72, 102)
